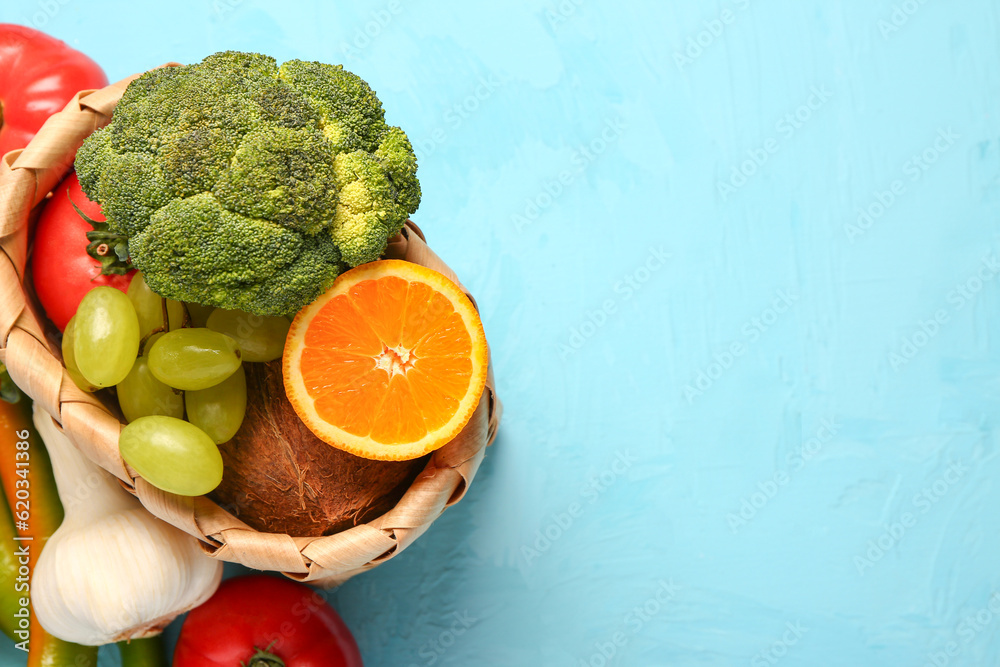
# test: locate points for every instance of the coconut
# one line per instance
(280, 478)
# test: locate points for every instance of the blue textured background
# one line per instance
(737, 263)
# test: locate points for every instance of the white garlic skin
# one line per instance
(83, 592)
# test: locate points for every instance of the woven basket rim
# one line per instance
(26, 178)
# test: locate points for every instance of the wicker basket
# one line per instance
(26, 178)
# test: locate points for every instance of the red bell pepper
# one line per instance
(38, 76)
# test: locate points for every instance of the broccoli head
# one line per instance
(245, 185)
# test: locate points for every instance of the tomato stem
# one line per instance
(264, 659)
(102, 242)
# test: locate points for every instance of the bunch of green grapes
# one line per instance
(178, 372)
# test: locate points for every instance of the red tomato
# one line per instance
(61, 270)
(38, 76)
(287, 620)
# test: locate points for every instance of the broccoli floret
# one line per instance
(396, 156)
(196, 250)
(248, 186)
(352, 117)
(132, 196)
(284, 175)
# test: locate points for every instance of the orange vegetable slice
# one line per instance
(389, 364)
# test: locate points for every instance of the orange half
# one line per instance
(389, 363)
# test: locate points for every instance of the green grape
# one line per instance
(219, 410)
(259, 338)
(172, 455)
(105, 336)
(69, 358)
(141, 395)
(199, 313)
(192, 359)
(149, 307)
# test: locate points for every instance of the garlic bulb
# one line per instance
(112, 571)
